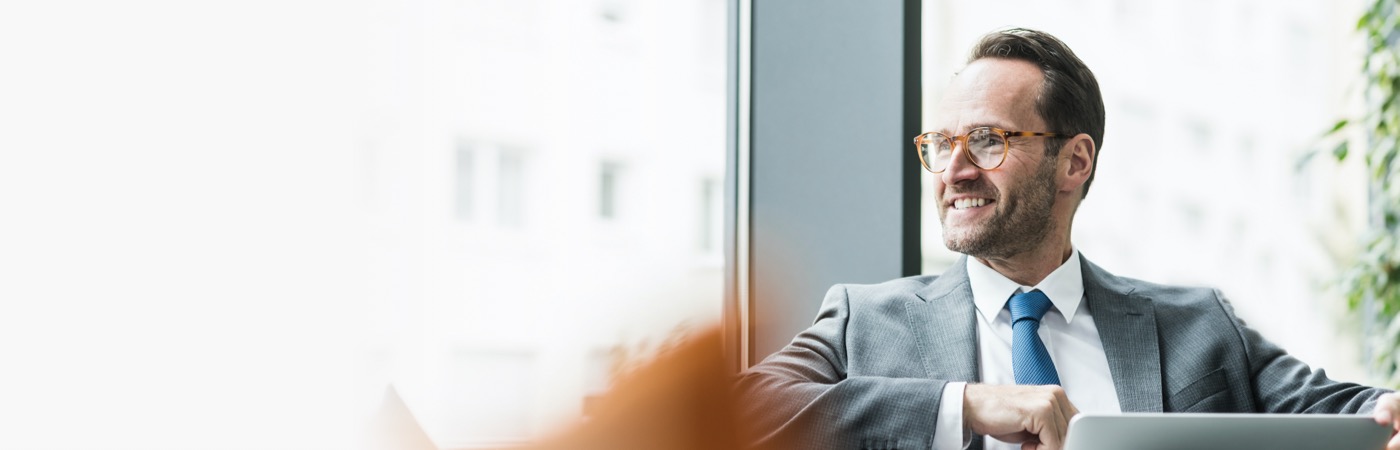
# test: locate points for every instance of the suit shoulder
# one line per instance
(1175, 296)
(896, 290)
(1162, 296)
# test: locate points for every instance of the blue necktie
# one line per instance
(1029, 360)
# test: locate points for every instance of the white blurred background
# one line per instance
(232, 224)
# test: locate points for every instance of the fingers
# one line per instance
(1385, 410)
(1059, 413)
(1035, 415)
(1066, 407)
(1073, 411)
(1062, 412)
(1053, 437)
(1388, 414)
(1048, 416)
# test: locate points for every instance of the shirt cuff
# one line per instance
(948, 432)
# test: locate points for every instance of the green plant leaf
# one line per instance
(1372, 282)
(1340, 124)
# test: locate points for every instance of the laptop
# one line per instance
(1186, 431)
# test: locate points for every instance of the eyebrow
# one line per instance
(975, 126)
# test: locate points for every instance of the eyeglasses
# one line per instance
(984, 147)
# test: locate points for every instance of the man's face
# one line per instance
(1016, 198)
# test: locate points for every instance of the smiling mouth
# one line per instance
(968, 203)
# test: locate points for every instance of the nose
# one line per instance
(959, 169)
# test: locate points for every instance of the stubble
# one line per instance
(1020, 223)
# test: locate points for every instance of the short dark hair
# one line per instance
(1069, 100)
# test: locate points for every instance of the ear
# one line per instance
(1079, 155)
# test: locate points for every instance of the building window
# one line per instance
(465, 180)
(1202, 135)
(612, 12)
(608, 178)
(510, 204)
(711, 213)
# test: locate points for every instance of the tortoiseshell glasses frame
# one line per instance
(984, 147)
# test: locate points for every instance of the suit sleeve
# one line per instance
(803, 397)
(1283, 384)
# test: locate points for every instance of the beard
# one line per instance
(1020, 222)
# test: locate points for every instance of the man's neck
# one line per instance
(1031, 267)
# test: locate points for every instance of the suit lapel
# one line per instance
(943, 322)
(942, 319)
(1128, 329)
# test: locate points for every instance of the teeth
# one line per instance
(964, 203)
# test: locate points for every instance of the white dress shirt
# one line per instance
(1068, 332)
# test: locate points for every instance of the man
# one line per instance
(1023, 333)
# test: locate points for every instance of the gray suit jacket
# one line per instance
(870, 371)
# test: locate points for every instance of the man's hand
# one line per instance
(1035, 416)
(1388, 414)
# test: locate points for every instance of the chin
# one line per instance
(958, 242)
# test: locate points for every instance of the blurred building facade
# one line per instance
(545, 182)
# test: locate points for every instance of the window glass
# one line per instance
(591, 124)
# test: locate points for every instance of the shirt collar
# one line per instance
(991, 290)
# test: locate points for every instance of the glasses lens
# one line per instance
(986, 147)
(935, 150)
